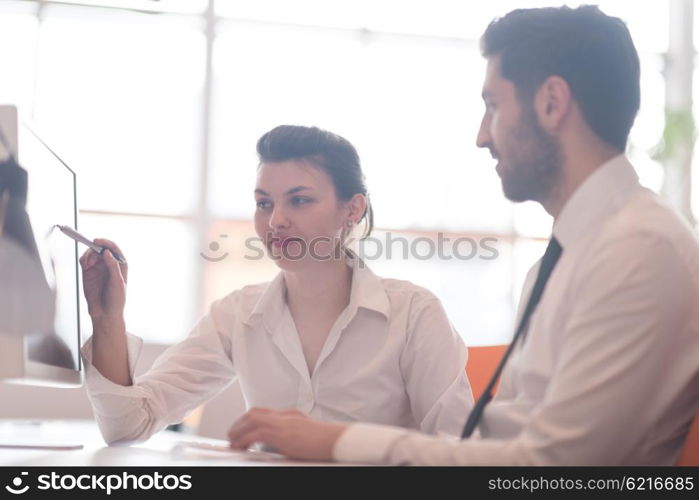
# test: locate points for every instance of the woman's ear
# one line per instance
(356, 207)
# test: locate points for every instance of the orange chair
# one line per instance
(482, 361)
(689, 456)
(481, 365)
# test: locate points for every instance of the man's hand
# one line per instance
(291, 432)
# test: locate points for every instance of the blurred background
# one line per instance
(157, 106)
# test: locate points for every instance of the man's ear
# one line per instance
(552, 102)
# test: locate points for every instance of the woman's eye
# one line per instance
(263, 204)
(300, 200)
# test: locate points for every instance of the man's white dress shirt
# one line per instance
(608, 372)
(392, 357)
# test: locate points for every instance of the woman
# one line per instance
(326, 337)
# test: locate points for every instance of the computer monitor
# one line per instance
(50, 356)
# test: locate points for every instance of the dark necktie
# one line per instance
(548, 262)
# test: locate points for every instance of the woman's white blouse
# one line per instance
(392, 357)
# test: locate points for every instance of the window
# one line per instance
(158, 107)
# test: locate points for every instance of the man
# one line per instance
(605, 369)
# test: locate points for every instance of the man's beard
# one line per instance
(534, 164)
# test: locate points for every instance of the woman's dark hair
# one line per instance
(330, 152)
(591, 51)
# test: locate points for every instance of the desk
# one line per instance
(163, 449)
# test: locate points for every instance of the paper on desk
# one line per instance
(223, 451)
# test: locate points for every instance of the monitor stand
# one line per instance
(37, 446)
(33, 434)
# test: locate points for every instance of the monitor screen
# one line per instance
(51, 200)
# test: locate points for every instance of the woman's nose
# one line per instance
(278, 219)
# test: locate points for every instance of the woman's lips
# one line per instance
(279, 242)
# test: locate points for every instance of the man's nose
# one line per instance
(483, 139)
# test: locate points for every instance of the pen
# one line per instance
(69, 231)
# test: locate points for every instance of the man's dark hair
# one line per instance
(327, 151)
(591, 51)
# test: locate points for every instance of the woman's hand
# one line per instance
(104, 283)
(290, 432)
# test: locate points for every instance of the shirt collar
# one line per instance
(367, 289)
(270, 304)
(595, 199)
(366, 292)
